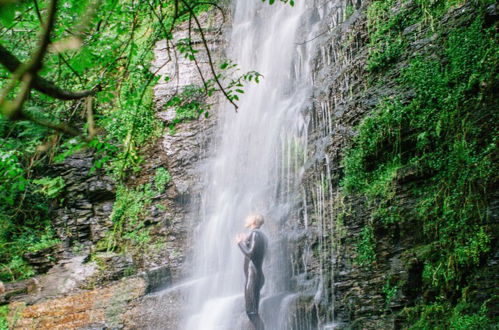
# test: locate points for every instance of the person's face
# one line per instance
(249, 223)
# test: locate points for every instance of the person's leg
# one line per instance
(252, 304)
(256, 321)
(259, 325)
(252, 298)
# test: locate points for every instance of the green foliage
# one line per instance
(291, 2)
(114, 53)
(50, 187)
(442, 315)
(24, 202)
(390, 291)
(12, 180)
(24, 224)
(463, 321)
(161, 179)
(376, 177)
(128, 215)
(46, 240)
(4, 312)
(442, 134)
(189, 104)
(349, 10)
(386, 43)
(235, 86)
(26, 148)
(366, 254)
(16, 241)
(387, 24)
(16, 269)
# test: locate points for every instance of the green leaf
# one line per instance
(7, 14)
(83, 61)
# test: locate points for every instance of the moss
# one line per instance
(349, 10)
(390, 290)
(161, 179)
(4, 312)
(128, 215)
(366, 247)
(385, 26)
(442, 315)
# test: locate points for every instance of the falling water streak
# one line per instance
(257, 165)
(333, 230)
(323, 214)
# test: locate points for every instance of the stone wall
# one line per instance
(83, 217)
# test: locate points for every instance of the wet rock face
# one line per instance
(44, 259)
(189, 144)
(185, 149)
(83, 217)
(328, 226)
(323, 249)
(103, 308)
(66, 277)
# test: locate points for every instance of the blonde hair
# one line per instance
(255, 218)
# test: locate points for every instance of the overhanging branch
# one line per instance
(12, 64)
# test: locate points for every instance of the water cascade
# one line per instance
(257, 161)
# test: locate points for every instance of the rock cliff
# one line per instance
(331, 223)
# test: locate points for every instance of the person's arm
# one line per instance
(248, 246)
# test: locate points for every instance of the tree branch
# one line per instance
(12, 64)
(61, 127)
(208, 53)
(26, 73)
(90, 117)
(191, 49)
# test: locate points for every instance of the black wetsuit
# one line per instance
(254, 247)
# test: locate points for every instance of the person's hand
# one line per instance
(240, 238)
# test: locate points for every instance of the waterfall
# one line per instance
(257, 161)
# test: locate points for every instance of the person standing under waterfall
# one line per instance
(253, 247)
